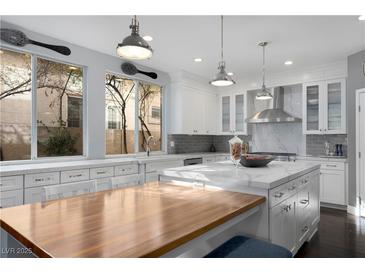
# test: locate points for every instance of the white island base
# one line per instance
(288, 218)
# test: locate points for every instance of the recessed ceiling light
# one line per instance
(230, 73)
(1, 52)
(147, 38)
(361, 17)
(198, 60)
(288, 63)
(72, 68)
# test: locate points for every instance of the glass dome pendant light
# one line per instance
(264, 93)
(222, 79)
(134, 47)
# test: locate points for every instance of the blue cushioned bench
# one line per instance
(244, 247)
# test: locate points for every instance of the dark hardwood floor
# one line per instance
(340, 235)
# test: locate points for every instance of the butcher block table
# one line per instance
(144, 221)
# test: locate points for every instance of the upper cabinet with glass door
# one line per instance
(324, 108)
(233, 114)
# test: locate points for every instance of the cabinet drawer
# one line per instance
(222, 158)
(280, 193)
(207, 160)
(11, 183)
(333, 165)
(125, 170)
(11, 198)
(69, 176)
(101, 172)
(42, 179)
(33, 195)
(153, 167)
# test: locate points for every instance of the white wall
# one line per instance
(97, 64)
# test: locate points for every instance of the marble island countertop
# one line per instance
(227, 176)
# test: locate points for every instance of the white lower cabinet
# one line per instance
(69, 176)
(295, 214)
(33, 195)
(283, 224)
(11, 198)
(333, 188)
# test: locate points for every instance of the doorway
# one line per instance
(360, 148)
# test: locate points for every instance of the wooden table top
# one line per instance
(142, 221)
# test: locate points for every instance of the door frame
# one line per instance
(358, 205)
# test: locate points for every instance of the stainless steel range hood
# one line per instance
(276, 114)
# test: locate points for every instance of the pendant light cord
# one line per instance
(222, 38)
(263, 65)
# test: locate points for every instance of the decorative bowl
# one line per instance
(254, 160)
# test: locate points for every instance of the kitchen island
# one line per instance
(149, 220)
(290, 215)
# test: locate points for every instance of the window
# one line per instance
(149, 116)
(56, 83)
(57, 103)
(15, 105)
(113, 122)
(155, 113)
(120, 105)
(74, 112)
(133, 114)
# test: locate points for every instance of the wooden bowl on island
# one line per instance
(255, 160)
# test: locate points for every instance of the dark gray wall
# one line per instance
(355, 80)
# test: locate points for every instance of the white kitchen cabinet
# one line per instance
(69, 176)
(283, 224)
(33, 195)
(193, 111)
(11, 198)
(11, 182)
(101, 172)
(233, 114)
(333, 187)
(324, 107)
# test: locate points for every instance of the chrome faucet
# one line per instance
(148, 148)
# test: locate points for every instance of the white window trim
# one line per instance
(163, 150)
(33, 141)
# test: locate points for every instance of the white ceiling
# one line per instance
(306, 40)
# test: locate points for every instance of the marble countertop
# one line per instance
(322, 158)
(225, 175)
(28, 168)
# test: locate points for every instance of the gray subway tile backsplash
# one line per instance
(184, 143)
(315, 143)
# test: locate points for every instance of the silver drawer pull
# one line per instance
(279, 195)
(100, 172)
(331, 165)
(304, 202)
(76, 175)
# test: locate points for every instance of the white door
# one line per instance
(361, 149)
(283, 224)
